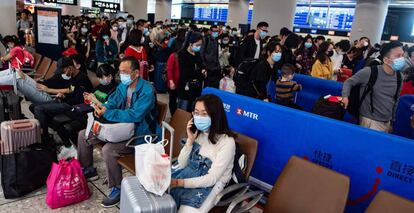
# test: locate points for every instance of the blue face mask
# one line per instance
(215, 34)
(196, 49)
(202, 123)
(308, 45)
(263, 34)
(65, 77)
(398, 64)
(276, 57)
(105, 37)
(104, 82)
(146, 31)
(126, 79)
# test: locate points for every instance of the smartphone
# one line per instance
(193, 127)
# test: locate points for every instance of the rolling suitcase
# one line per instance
(18, 134)
(134, 197)
(10, 108)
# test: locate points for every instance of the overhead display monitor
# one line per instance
(338, 18)
(211, 12)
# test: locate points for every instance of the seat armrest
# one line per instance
(240, 187)
(237, 204)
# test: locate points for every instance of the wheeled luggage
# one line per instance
(135, 199)
(18, 134)
(10, 108)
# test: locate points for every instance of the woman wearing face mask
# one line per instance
(210, 143)
(224, 51)
(16, 53)
(83, 45)
(322, 67)
(191, 78)
(114, 32)
(264, 70)
(338, 55)
(106, 48)
(304, 55)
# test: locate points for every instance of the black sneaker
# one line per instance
(113, 198)
(90, 174)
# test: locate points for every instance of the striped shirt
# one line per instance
(285, 90)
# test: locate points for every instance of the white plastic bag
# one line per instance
(153, 166)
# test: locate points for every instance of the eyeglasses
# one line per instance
(264, 30)
(201, 114)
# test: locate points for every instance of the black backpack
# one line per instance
(243, 78)
(329, 109)
(356, 98)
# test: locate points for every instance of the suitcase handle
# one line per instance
(22, 125)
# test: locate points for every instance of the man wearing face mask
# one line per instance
(210, 56)
(252, 46)
(133, 101)
(65, 98)
(378, 108)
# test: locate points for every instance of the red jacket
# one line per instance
(139, 53)
(173, 69)
(407, 88)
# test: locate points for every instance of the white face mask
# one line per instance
(142, 39)
(114, 28)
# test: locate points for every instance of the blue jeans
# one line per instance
(160, 83)
(26, 86)
(197, 166)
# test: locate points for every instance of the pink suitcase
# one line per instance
(18, 134)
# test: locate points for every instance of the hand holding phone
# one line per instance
(191, 132)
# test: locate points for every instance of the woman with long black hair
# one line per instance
(190, 82)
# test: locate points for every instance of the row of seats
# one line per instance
(315, 188)
(44, 67)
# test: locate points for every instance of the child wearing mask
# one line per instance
(227, 83)
(224, 51)
(285, 87)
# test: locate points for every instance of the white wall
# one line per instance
(138, 8)
(238, 12)
(278, 13)
(369, 19)
(162, 10)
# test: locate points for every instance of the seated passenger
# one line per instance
(205, 162)
(69, 132)
(24, 84)
(65, 98)
(285, 87)
(131, 102)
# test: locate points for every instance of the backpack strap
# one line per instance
(399, 82)
(370, 86)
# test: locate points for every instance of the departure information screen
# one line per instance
(211, 12)
(320, 17)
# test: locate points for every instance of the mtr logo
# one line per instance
(244, 113)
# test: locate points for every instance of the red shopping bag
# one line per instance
(66, 184)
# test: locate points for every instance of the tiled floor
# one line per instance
(35, 201)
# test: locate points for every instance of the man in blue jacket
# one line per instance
(132, 102)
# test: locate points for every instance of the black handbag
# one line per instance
(26, 171)
(195, 84)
